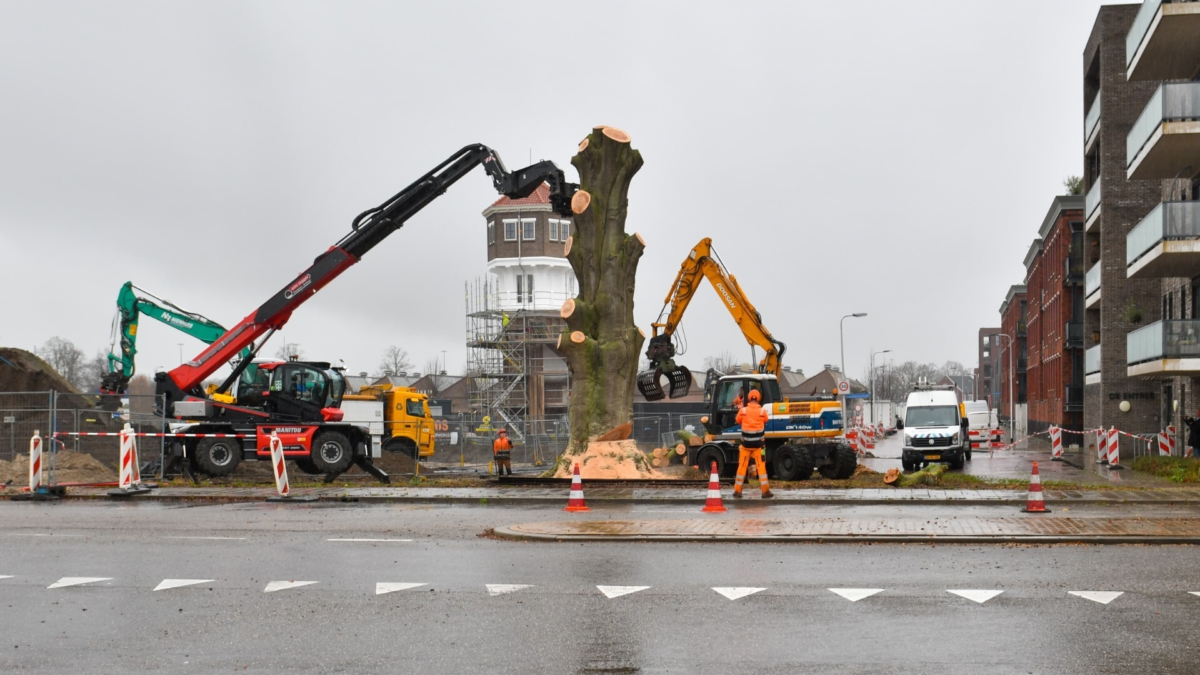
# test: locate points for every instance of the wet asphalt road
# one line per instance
(563, 623)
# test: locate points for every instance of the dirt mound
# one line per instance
(69, 467)
(22, 371)
(609, 459)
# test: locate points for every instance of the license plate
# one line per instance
(933, 456)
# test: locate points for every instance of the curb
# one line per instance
(507, 533)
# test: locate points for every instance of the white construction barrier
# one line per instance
(129, 477)
(1056, 447)
(35, 462)
(1101, 446)
(1114, 447)
(280, 466)
(1164, 445)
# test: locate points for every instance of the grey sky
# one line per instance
(894, 158)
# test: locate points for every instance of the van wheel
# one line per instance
(793, 464)
(909, 467)
(218, 456)
(331, 452)
(968, 455)
(957, 463)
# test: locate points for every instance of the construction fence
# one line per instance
(77, 423)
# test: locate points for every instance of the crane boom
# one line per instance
(368, 230)
(702, 262)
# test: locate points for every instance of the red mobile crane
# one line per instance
(300, 401)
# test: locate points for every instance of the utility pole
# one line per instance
(1012, 375)
(842, 336)
(873, 382)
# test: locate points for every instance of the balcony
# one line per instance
(1073, 401)
(1091, 122)
(1164, 349)
(1073, 335)
(1091, 206)
(1022, 328)
(1091, 286)
(1091, 365)
(1073, 271)
(1022, 364)
(1166, 136)
(1162, 44)
(1166, 243)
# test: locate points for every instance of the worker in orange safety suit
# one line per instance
(501, 448)
(753, 420)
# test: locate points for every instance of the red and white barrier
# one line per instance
(280, 466)
(852, 439)
(151, 435)
(129, 476)
(1101, 446)
(1164, 445)
(35, 462)
(1056, 447)
(868, 438)
(1114, 447)
(1171, 437)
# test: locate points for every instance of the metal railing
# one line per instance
(1091, 120)
(1176, 339)
(1168, 220)
(1073, 333)
(537, 300)
(1092, 281)
(1073, 400)
(1172, 101)
(1139, 28)
(1091, 360)
(1092, 201)
(1073, 270)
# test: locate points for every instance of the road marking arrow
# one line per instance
(1102, 597)
(284, 585)
(6, 576)
(611, 592)
(76, 581)
(856, 594)
(501, 589)
(391, 587)
(735, 592)
(976, 595)
(179, 583)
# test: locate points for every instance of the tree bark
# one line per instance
(604, 345)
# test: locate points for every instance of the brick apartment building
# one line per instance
(1013, 355)
(1054, 326)
(987, 375)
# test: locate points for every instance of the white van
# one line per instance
(980, 423)
(934, 428)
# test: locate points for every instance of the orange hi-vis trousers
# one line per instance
(744, 455)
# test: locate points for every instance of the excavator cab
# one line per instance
(661, 353)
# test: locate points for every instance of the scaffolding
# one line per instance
(514, 370)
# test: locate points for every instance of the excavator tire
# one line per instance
(793, 464)
(331, 452)
(843, 465)
(705, 458)
(218, 456)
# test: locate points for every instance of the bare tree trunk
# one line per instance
(601, 344)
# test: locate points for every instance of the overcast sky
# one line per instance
(894, 158)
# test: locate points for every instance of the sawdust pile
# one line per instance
(69, 467)
(609, 459)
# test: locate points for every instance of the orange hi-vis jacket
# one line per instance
(501, 446)
(753, 420)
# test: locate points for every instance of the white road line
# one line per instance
(284, 585)
(179, 583)
(369, 540)
(735, 592)
(611, 592)
(76, 581)
(1102, 597)
(976, 595)
(6, 576)
(1194, 592)
(391, 587)
(856, 594)
(501, 589)
(41, 534)
(211, 538)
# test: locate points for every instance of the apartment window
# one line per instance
(987, 354)
(553, 225)
(525, 288)
(510, 230)
(564, 229)
(491, 232)
(528, 229)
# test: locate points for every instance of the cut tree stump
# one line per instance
(568, 308)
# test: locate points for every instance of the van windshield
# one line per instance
(933, 416)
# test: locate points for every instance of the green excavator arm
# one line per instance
(132, 303)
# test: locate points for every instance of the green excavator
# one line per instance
(132, 303)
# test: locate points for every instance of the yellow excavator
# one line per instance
(801, 434)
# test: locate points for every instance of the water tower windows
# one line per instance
(491, 232)
(553, 227)
(510, 230)
(529, 229)
(525, 288)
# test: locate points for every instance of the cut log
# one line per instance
(639, 237)
(617, 433)
(696, 441)
(568, 308)
(558, 344)
(583, 145)
(680, 449)
(578, 337)
(616, 134)
(657, 462)
(567, 246)
(660, 452)
(580, 202)
(641, 332)
(892, 475)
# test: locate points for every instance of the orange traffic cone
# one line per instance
(575, 501)
(714, 504)
(1035, 504)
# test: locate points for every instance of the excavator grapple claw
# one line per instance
(679, 383)
(647, 384)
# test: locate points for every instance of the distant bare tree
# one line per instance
(724, 363)
(67, 359)
(289, 349)
(141, 396)
(95, 369)
(395, 360)
(437, 374)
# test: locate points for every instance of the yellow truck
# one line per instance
(397, 417)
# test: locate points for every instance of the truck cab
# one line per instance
(398, 417)
(934, 429)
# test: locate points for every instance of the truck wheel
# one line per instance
(842, 466)
(403, 446)
(218, 456)
(957, 463)
(793, 464)
(968, 455)
(306, 465)
(331, 452)
(706, 458)
(908, 466)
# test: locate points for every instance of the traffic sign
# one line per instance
(857, 407)
(10, 420)
(843, 387)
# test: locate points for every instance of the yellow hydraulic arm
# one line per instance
(702, 261)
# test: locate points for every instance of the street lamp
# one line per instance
(873, 382)
(842, 336)
(1012, 375)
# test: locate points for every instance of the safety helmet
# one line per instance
(754, 395)
(503, 432)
